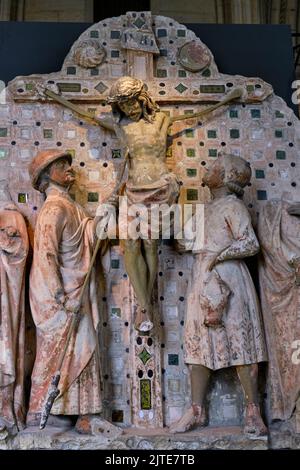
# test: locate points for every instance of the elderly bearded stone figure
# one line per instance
(223, 326)
(13, 254)
(63, 244)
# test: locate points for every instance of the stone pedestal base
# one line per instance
(155, 439)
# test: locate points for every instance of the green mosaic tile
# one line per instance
(212, 88)
(3, 153)
(117, 416)
(101, 87)
(173, 359)
(161, 73)
(190, 152)
(161, 33)
(278, 133)
(279, 114)
(115, 312)
(280, 154)
(211, 134)
(234, 133)
(114, 54)
(163, 52)
(180, 88)
(250, 88)
(92, 111)
(181, 73)
(188, 111)
(22, 198)
(115, 34)
(206, 73)
(116, 153)
(233, 113)
(255, 113)
(189, 133)
(94, 34)
(145, 394)
(191, 172)
(192, 194)
(69, 87)
(139, 22)
(71, 70)
(29, 86)
(48, 133)
(3, 132)
(94, 72)
(259, 174)
(115, 263)
(262, 195)
(145, 356)
(93, 197)
(212, 152)
(181, 33)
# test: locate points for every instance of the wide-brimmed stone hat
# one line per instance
(42, 160)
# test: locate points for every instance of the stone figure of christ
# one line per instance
(142, 129)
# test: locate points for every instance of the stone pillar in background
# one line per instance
(55, 10)
(198, 11)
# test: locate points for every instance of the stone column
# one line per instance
(12, 10)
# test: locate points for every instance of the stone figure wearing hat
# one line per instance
(13, 254)
(223, 325)
(64, 239)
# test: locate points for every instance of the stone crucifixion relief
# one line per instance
(142, 129)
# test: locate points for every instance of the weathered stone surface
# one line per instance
(263, 130)
(156, 439)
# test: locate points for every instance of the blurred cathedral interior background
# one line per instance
(194, 11)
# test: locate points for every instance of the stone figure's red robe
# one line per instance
(64, 242)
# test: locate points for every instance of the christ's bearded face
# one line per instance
(132, 108)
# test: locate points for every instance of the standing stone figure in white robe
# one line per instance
(223, 326)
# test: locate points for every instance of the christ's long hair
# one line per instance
(127, 88)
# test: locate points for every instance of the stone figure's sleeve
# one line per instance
(191, 238)
(51, 224)
(244, 241)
